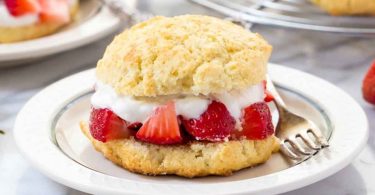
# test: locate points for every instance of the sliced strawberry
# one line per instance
(22, 7)
(135, 126)
(268, 96)
(162, 127)
(215, 124)
(106, 125)
(256, 122)
(54, 11)
(368, 85)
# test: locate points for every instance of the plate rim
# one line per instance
(36, 48)
(86, 183)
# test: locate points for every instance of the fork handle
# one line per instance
(127, 14)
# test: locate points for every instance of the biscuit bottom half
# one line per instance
(23, 33)
(194, 159)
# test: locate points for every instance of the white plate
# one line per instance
(48, 135)
(93, 23)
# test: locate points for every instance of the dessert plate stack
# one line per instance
(298, 14)
(81, 32)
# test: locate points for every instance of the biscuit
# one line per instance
(189, 54)
(347, 7)
(22, 33)
(190, 160)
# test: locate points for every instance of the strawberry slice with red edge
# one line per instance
(161, 127)
(268, 97)
(135, 126)
(368, 85)
(215, 124)
(54, 11)
(22, 7)
(256, 122)
(106, 125)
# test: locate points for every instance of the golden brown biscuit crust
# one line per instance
(22, 33)
(190, 160)
(347, 7)
(189, 54)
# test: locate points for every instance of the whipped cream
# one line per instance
(237, 100)
(7, 20)
(138, 110)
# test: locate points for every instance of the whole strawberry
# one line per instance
(368, 85)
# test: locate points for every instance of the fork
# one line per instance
(292, 127)
(127, 14)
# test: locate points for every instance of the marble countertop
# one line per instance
(338, 59)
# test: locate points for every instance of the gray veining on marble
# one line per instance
(338, 59)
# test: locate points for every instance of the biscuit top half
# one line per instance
(189, 54)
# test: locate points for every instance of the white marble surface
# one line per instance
(340, 60)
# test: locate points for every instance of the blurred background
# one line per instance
(342, 60)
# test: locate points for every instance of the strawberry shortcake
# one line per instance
(28, 19)
(183, 95)
(347, 7)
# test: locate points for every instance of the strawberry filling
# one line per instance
(47, 10)
(106, 125)
(215, 124)
(256, 122)
(268, 97)
(21, 7)
(161, 127)
(164, 126)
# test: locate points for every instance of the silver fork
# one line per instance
(292, 127)
(127, 14)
